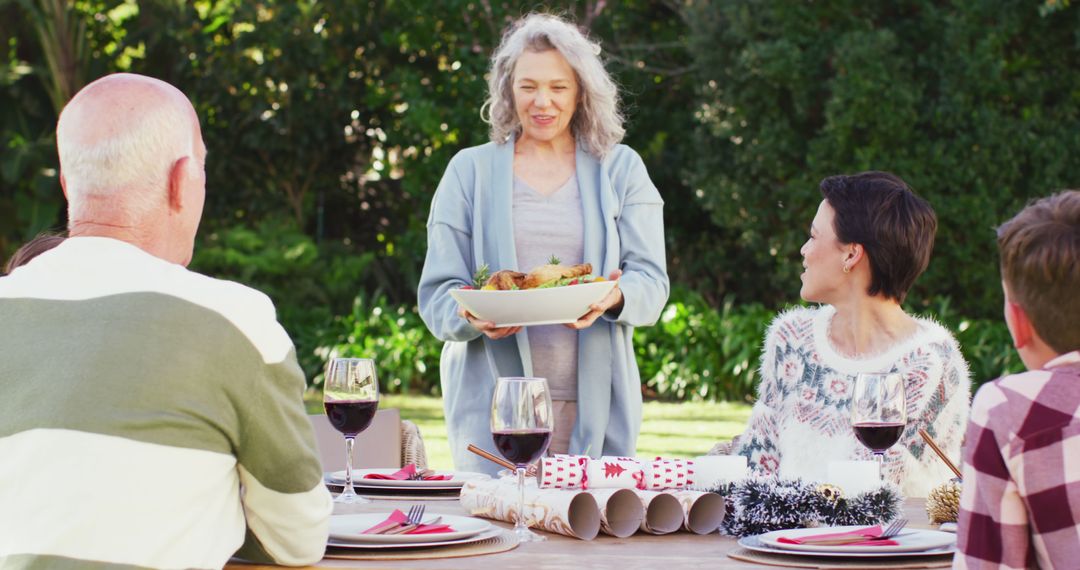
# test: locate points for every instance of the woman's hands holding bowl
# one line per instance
(487, 327)
(613, 300)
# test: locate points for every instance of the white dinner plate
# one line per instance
(754, 543)
(349, 529)
(533, 306)
(380, 490)
(910, 540)
(457, 480)
(414, 541)
(490, 533)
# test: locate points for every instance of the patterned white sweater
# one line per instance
(802, 421)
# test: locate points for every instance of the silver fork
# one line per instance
(416, 514)
(419, 475)
(412, 520)
(892, 530)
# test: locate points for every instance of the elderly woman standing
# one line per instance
(871, 238)
(552, 181)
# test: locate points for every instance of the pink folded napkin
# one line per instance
(398, 518)
(851, 535)
(405, 473)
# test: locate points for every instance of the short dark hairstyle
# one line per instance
(1040, 264)
(895, 227)
(32, 249)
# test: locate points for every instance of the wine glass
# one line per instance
(521, 427)
(878, 412)
(350, 397)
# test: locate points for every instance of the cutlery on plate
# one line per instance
(401, 529)
(416, 513)
(407, 528)
(890, 531)
(412, 520)
(421, 475)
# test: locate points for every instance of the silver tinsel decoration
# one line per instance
(759, 505)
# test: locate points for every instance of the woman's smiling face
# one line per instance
(823, 258)
(545, 94)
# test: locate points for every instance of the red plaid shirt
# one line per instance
(1020, 506)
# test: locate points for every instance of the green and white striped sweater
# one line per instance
(150, 417)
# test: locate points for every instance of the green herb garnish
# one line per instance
(481, 276)
(554, 260)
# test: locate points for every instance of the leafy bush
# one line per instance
(697, 352)
(308, 283)
(406, 354)
(988, 349)
(986, 344)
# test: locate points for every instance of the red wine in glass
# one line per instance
(878, 436)
(522, 447)
(351, 417)
(878, 412)
(521, 424)
(350, 398)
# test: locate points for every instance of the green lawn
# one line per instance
(669, 429)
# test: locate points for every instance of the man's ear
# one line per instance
(178, 177)
(1019, 325)
(63, 185)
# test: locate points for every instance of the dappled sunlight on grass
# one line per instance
(670, 429)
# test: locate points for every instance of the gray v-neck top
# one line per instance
(545, 226)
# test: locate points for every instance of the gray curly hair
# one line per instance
(597, 124)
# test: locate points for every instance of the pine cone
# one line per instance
(943, 502)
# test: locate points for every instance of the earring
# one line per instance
(847, 269)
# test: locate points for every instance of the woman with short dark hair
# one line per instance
(871, 238)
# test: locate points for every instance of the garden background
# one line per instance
(330, 123)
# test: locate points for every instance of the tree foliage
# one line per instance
(330, 122)
(975, 104)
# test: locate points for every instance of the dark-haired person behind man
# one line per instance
(1020, 507)
(871, 238)
(32, 249)
(150, 417)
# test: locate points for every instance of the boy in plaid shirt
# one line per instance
(1020, 507)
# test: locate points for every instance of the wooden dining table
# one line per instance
(640, 551)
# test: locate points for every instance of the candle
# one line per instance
(854, 477)
(711, 471)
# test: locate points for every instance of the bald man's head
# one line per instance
(121, 140)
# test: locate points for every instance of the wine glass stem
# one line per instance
(348, 466)
(520, 526)
(880, 456)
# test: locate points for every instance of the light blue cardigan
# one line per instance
(471, 224)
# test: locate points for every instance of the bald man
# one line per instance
(150, 416)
